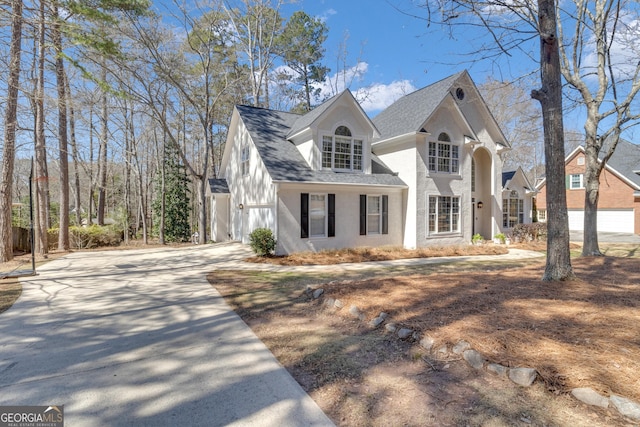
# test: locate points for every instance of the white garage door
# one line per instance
(615, 221)
(256, 217)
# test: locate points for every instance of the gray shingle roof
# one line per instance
(626, 160)
(408, 113)
(268, 130)
(218, 186)
(304, 121)
(506, 176)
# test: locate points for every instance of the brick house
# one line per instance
(619, 202)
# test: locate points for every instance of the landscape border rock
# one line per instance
(524, 377)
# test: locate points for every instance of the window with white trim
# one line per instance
(512, 210)
(576, 181)
(374, 214)
(244, 160)
(317, 215)
(444, 214)
(542, 215)
(444, 156)
(342, 152)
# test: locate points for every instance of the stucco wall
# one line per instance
(347, 219)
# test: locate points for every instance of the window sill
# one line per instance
(445, 235)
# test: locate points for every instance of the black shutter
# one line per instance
(304, 215)
(363, 214)
(385, 214)
(332, 215)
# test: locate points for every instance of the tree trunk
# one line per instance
(102, 157)
(63, 234)
(74, 155)
(10, 124)
(42, 173)
(558, 266)
(592, 190)
(202, 217)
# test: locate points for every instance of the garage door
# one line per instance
(615, 221)
(256, 217)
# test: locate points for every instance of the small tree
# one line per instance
(175, 199)
(262, 241)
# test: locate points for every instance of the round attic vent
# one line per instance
(460, 94)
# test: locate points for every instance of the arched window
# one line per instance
(512, 210)
(444, 156)
(341, 151)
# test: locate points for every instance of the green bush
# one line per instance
(262, 241)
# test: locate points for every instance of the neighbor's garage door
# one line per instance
(616, 221)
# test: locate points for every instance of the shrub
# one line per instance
(94, 236)
(477, 238)
(262, 241)
(529, 232)
(500, 237)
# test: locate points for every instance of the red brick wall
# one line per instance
(614, 192)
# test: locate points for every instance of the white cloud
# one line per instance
(324, 17)
(379, 96)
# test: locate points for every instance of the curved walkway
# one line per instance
(139, 338)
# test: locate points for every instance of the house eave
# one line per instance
(343, 184)
(397, 140)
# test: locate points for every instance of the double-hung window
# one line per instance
(444, 214)
(374, 214)
(342, 152)
(317, 215)
(576, 181)
(244, 160)
(444, 156)
(512, 210)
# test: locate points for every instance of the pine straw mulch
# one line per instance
(377, 254)
(580, 333)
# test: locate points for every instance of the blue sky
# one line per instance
(399, 52)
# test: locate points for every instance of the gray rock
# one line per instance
(353, 310)
(338, 304)
(590, 397)
(317, 293)
(427, 343)
(383, 315)
(391, 327)
(443, 349)
(473, 358)
(329, 302)
(523, 376)
(498, 369)
(404, 333)
(376, 322)
(626, 407)
(461, 346)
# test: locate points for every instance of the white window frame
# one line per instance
(355, 156)
(325, 215)
(542, 215)
(433, 210)
(373, 215)
(581, 184)
(509, 221)
(438, 162)
(245, 156)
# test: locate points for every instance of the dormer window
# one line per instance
(341, 152)
(443, 155)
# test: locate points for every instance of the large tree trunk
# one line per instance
(10, 124)
(63, 234)
(558, 266)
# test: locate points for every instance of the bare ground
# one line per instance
(581, 333)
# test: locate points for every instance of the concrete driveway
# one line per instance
(139, 338)
(607, 237)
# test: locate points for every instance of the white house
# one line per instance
(425, 171)
(517, 199)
